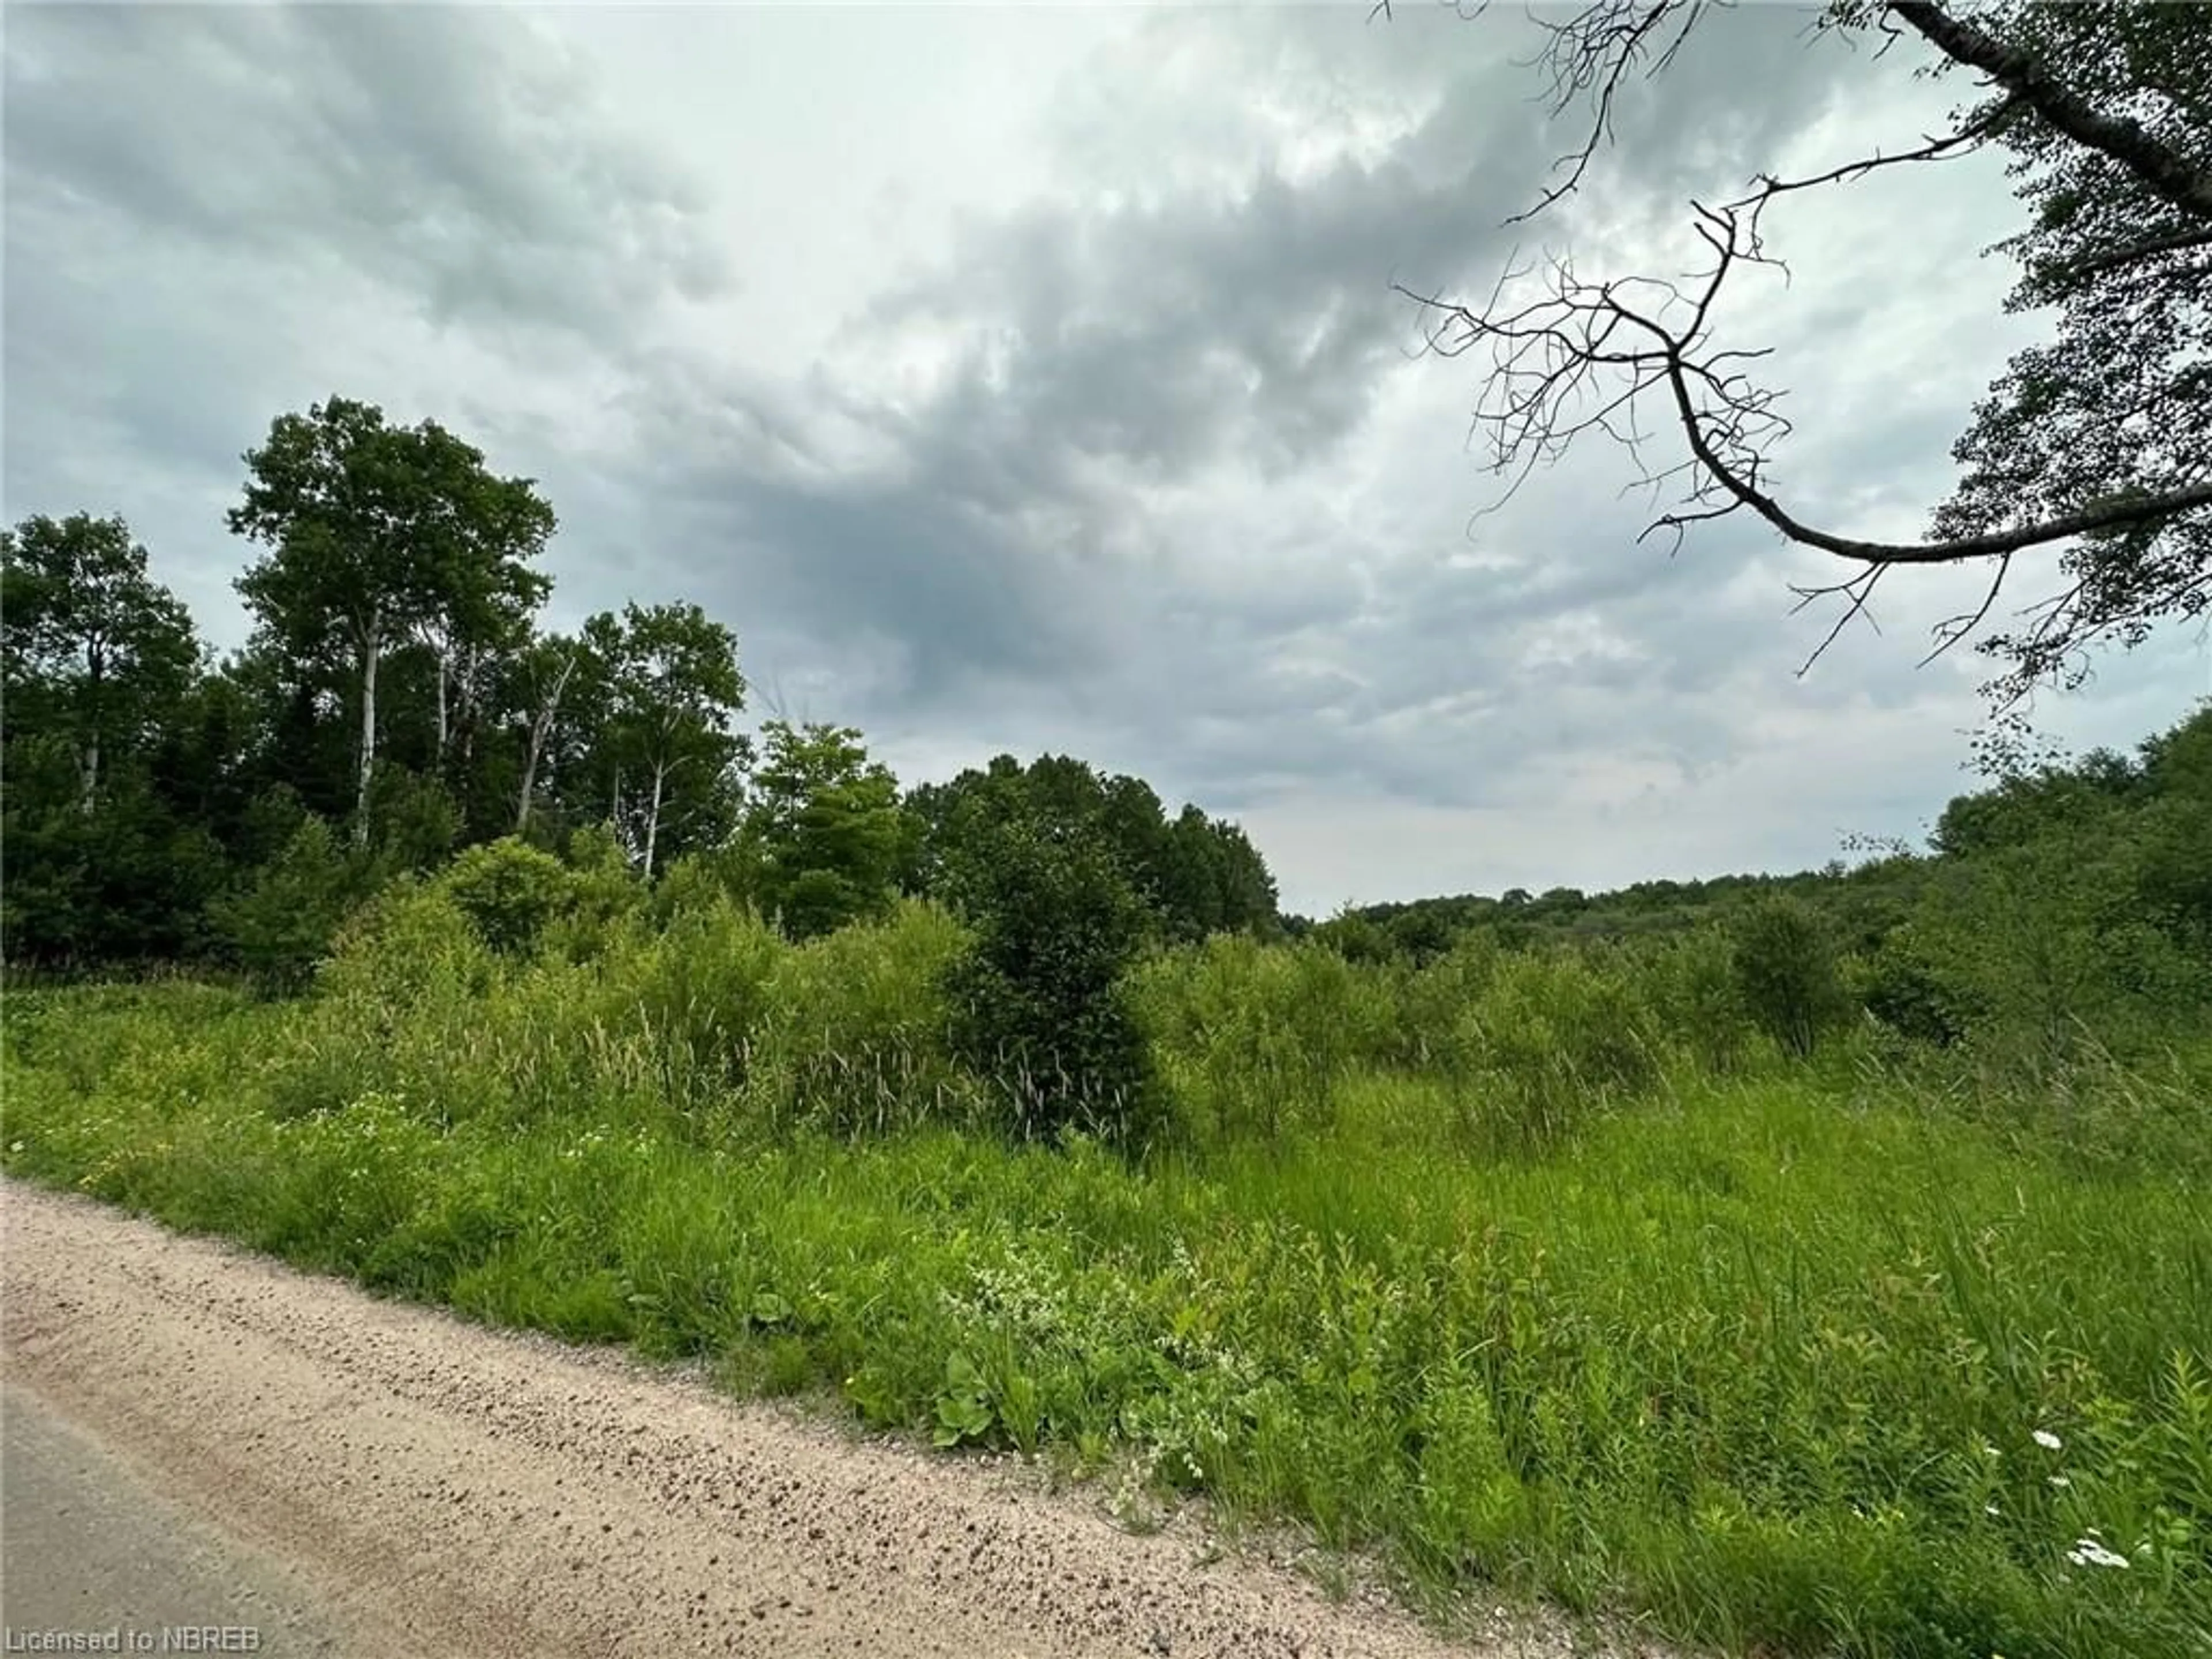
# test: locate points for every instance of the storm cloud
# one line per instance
(1057, 398)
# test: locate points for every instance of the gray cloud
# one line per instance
(1139, 467)
(449, 150)
(1122, 340)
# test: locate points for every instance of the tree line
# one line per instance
(399, 699)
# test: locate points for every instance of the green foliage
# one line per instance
(1193, 876)
(378, 536)
(700, 991)
(603, 891)
(1038, 1001)
(1788, 973)
(857, 1035)
(509, 891)
(1765, 1373)
(1255, 1040)
(94, 657)
(1553, 1035)
(2174, 876)
(90, 645)
(662, 687)
(413, 822)
(1355, 937)
(1903, 985)
(282, 926)
(825, 828)
(410, 951)
(2119, 256)
(1698, 996)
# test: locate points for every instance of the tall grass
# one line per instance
(1498, 1268)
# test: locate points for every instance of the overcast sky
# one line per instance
(1029, 380)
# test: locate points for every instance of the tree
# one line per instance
(541, 675)
(98, 668)
(1786, 971)
(665, 683)
(378, 534)
(482, 612)
(1039, 1003)
(2176, 876)
(281, 925)
(2097, 445)
(824, 827)
(90, 645)
(1193, 875)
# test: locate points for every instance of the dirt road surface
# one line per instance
(199, 1436)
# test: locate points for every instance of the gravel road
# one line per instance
(198, 1436)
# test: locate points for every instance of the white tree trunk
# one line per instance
(96, 654)
(445, 725)
(370, 649)
(541, 723)
(653, 816)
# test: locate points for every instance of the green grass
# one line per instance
(1760, 1356)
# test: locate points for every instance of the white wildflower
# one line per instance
(2059, 1481)
(2048, 1440)
(1990, 1509)
(2090, 1552)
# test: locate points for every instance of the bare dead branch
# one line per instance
(1951, 630)
(1551, 354)
(1597, 48)
(1579, 356)
(1963, 142)
(1859, 589)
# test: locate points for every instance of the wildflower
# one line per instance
(2048, 1440)
(1990, 1509)
(2059, 1481)
(2090, 1552)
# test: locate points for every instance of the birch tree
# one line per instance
(377, 535)
(92, 647)
(667, 680)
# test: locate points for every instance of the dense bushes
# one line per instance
(1786, 975)
(858, 1036)
(509, 891)
(1040, 1009)
(1256, 1039)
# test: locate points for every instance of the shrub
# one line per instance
(1430, 1004)
(701, 988)
(409, 948)
(282, 924)
(697, 881)
(1038, 1006)
(602, 890)
(414, 821)
(1698, 998)
(1905, 988)
(1787, 972)
(509, 891)
(1255, 1037)
(859, 1040)
(1555, 1034)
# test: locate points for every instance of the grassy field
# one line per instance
(1785, 1357)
